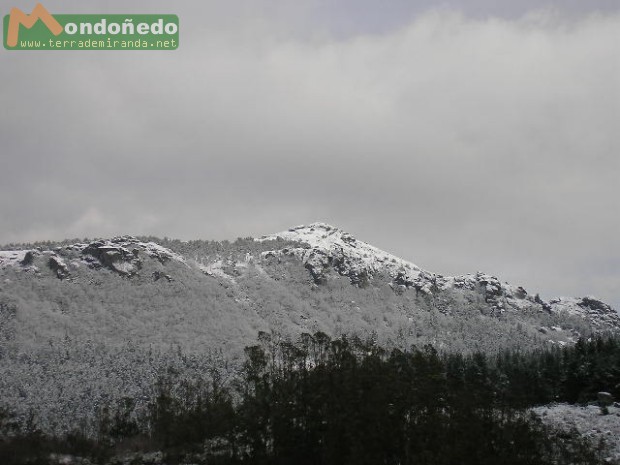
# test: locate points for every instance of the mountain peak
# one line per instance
(331, 247)
(315, 234)
(309, 231)
(323, 247)
(317, 225)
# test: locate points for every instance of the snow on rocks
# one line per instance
(122, 254)
(323, 247)
(215, 269)
(58, 266)
(589, 308)
(13, 257)
(330, 247)
(227, 269)
(25, 259)
(19, 258)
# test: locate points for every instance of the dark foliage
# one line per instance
(324, 401)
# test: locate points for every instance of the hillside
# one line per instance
(85, 323)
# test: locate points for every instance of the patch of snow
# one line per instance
(121, 253)
(589, 308)
(12, 257)
(330, 246)
(154, 250)
(326, 238)
(589, 422)
(322, 246)
(124, 267)
(216, 269)
(566, 304)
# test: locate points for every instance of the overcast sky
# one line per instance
(461, 135)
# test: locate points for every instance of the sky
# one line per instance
(459, 135)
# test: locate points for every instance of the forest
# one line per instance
(347, 401)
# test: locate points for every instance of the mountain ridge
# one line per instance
(322, 247)
(136, 308)
(328, 242)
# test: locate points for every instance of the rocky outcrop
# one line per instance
(598, 313)
(58, 266)
(157, 275)
(114, 257)
(323, 249)
(123, 254)
(28, 259)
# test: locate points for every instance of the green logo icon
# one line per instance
(42, 31)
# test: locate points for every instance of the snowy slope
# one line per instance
(333, 247)
(133, 307)
(12, 257)
(323, 247)
(120, 254)
(589, 422)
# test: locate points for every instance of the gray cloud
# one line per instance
(458, 141)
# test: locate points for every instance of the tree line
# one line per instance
(347, 401)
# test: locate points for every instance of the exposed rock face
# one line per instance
(24, 259)
(122, 254)
(592, 304)
(28, 258)
(114, 257)
(323, 248)
(598, 313)
(58, 266)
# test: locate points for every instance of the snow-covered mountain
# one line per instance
(326, 253)
(120, 254)
(134, 308)
(324, 247)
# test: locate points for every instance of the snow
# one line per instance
(588, 421)
(123, 245)
(216, 269)
(328, 241)
(12, 257)
(328, 246)
(123, 267)
(153, 250)
(356, 256)
(126, 245)
(331, 241)
(568, 305)
(206, 317)
(589, 308)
